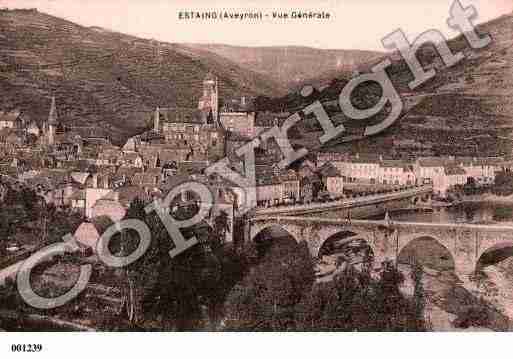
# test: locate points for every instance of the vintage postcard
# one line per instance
(242, 166)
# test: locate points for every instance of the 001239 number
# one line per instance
(26, 348)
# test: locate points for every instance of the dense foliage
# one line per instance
(503, 185)
(266, 297)
(279, 294)
(354, 301)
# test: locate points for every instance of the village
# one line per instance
(80, 170)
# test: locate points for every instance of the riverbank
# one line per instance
(489, 198)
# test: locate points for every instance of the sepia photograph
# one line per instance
(295, 167)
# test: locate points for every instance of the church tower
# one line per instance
(215, 102)
(52, 123)
(210, 98)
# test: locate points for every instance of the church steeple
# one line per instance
(215, 102)
(156, 120)
(52, 116)
(52, 123)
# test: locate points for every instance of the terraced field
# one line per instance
(464, 110)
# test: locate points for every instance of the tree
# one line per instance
(503, 183)
(10, 297)
(29, 200)
(220, 228)
(470, 187)
(174, 289)
(141, 275)
(266, 297)
(418, 293)
(353, 300)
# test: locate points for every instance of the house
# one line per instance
(92, 196)
(130, 159)
(11, 119)
(55, 186)
(109, 206)
(331, 179)
(109, 156)
(148, 180)
(360, 168)
(429, 169)
(93, 135)
(489, 167)
(331, 157)
(357, 168)
(310, 182)
(12, 138)
(175, 154)
(274, 185)
(86, 179)
(88, 234)
(396, 172)
(239, 122)
(124, 175)
(453, 175)
(78, 201)
(187, 168)
(306, 190)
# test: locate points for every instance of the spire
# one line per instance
(51, 123)
(52, 116)
(215, 102)
(156, 120)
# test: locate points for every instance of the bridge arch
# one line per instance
(276, 234)
(494, 254)
(350, 246)
(269, 228)
(427, 250)
(330, 234)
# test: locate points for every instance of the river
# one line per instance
(442, 304)
(467, 212)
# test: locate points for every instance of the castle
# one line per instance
(203, 129)
(198, 130)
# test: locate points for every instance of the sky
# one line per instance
(354, 24)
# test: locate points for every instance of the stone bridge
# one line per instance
(357, 207)
(465, 242)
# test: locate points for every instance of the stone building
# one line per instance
(199, 129)
(11, 119)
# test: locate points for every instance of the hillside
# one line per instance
(464, 110)
(102, 78)
(290, 65)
